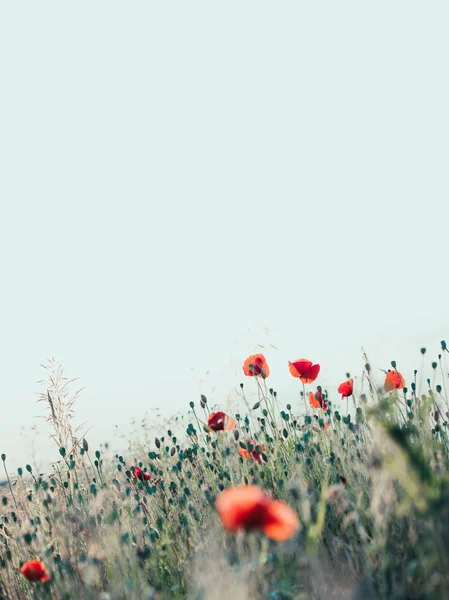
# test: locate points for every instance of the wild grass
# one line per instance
(370, 486)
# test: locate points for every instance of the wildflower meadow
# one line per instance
(317, 496)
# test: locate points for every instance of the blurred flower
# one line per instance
(317, 400)
(249, 508)
(346, 388)
(255, 453)
(304, 369)
(220, 421)
(256, 365)
(137, 472)
(394, 381)
(35, 570)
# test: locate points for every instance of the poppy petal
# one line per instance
(394, 381)
(298, 367)
(236, 504)
(346, 388)
(256, 365)
(283, 522)
(230, 424)
(314, 402)
(311, 374)
(244, 453)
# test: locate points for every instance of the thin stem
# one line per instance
(9, 482)
(305, 401)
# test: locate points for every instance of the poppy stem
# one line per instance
(305, 401)
(9, 482)
(444, 382)
(270, 414)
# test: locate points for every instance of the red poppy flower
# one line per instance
(346, 388)
(220, 421)
(256, 365)
(304, 369)
(255, 453)
(139, 474)
(394, 381)
(317, 400)
(35, 570)
(247, 507)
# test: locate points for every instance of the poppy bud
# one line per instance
(443, 345)
(236, 434)
(294, 493)
(423, 351)
(85, 445)
(256, 406)
(157, 443)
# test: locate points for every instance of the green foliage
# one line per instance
(370, 486)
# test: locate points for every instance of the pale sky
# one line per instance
(182, 181)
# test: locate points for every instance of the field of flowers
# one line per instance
(342, 497)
